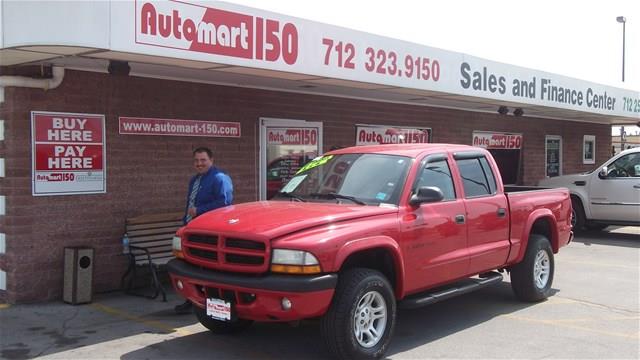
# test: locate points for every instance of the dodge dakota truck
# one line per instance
(358, 232)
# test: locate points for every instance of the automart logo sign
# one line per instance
(198, 28)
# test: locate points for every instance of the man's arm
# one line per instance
(221, 194)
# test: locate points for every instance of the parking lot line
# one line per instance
(563, 323)
(601, 264)
(151, 323)
(556, 300)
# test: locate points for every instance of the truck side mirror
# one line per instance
(603, 173)
(426, 194)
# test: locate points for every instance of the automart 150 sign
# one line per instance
(229, 34)
(292, 136)
(68, 153)
(378, 134)
(490, 140)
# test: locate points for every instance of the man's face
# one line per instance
(202, 162)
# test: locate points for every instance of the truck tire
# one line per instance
(220, 327)
(578, 218)
(362, 315)
(531, 279)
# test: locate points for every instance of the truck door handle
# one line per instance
(502, 212)
(459, 219)
(636, 186)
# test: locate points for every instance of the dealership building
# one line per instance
(102, 104)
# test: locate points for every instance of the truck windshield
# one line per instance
(363, 179)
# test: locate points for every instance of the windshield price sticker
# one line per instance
(219, 309)
(315, 162)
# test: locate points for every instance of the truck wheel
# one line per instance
(577, 215)
(360, 321)
(220, 327)
(531, 279)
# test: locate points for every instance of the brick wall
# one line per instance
(148, 174)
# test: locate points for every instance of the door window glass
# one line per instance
(489, 174)
(553, 156)
(288, 150)
(474, 178)
(625, 166)
(437, 174)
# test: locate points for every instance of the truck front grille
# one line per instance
(216, 251)
(205, 254)
(203, 239)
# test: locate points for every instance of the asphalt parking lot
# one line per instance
(594, 314)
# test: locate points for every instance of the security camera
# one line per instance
(118, 67)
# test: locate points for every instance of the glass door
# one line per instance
(553, 155)
(285, 146)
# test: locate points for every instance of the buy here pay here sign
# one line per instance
(68, 153)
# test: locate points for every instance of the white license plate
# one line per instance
(219, 309)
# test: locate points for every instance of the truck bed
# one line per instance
(525, 200)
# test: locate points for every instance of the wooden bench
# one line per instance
(150, 238)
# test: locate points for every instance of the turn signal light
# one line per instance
(177, 253)
(296, 269)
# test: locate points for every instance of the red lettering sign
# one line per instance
(497, 140)
(292, 136)
(379, 135)
(180, 25)
(69, 153)
(174, 127)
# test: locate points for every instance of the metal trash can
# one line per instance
(78, 275)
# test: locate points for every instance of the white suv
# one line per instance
(608, 195)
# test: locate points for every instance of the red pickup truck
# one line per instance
(360, 231)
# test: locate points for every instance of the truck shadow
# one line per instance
(630, 239)
(414, 328)
(418, 327)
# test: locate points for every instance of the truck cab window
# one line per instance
(437, 174)
(477, 179)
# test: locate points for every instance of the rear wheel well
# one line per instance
(576, 198)
(542, 226)
(376, 259)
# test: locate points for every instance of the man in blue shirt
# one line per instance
(209, 189)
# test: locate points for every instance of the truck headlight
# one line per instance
(176, 245)
(294, 262)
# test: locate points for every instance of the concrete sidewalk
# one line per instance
(60, 330)
(119, 326)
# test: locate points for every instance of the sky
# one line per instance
(579, 39)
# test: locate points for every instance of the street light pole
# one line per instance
(623, 20)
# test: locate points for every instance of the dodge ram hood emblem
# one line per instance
(234, 221)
